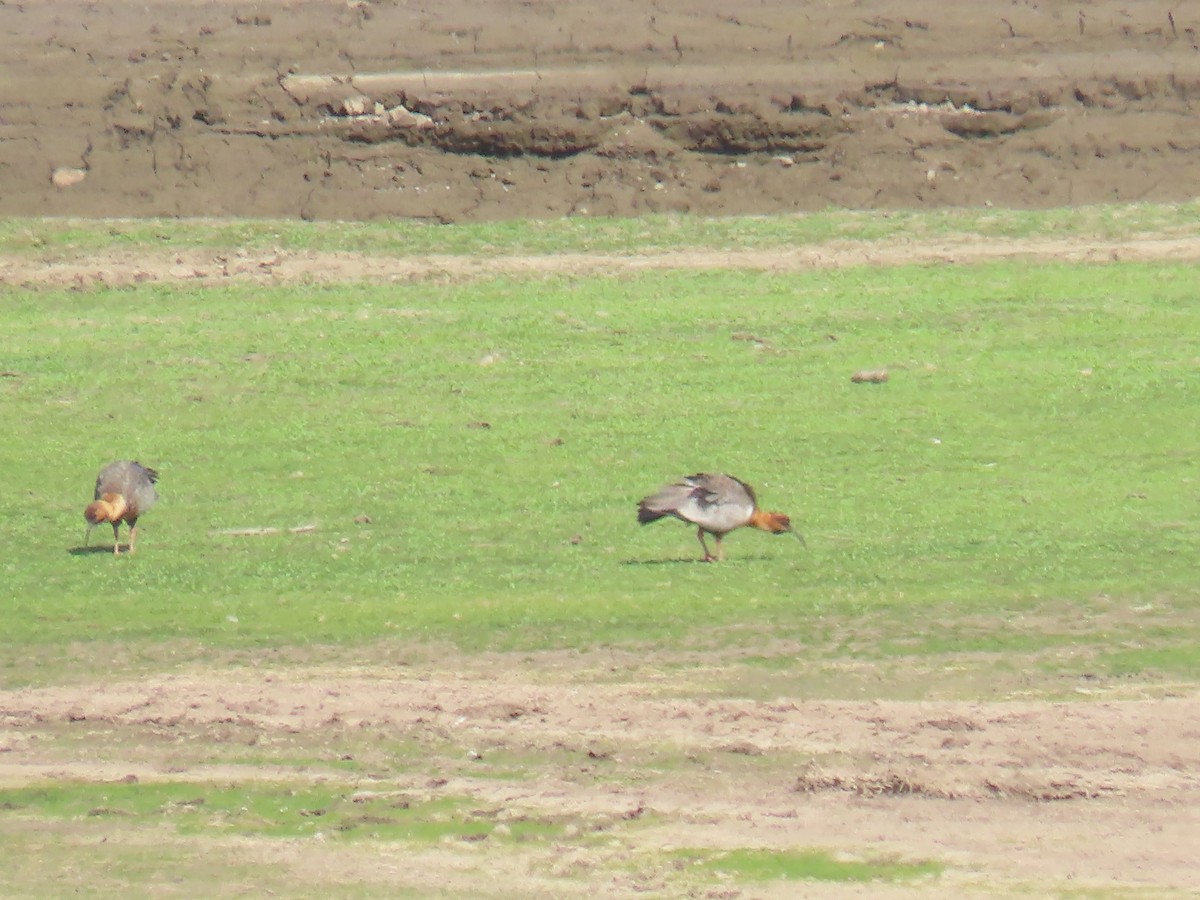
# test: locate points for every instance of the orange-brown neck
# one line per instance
(109, 508)
(773, 522)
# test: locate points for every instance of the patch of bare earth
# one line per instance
(119, 268)
(1010, 796)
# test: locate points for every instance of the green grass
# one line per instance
(54, 860)
(280, 811)
(808, 865)
(336, 813)
(67, 238)
(1026, 480)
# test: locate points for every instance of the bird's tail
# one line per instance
(646, 515)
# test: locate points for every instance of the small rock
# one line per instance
(66, 177)
(356, 106)
(401, 117)
(870, 376)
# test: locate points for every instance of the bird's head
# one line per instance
(109, 508)
(96, 512)
(776, 523)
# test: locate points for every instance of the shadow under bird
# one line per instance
(716, 505)
(124, 490)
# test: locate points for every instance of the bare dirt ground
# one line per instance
(117, 268)
(490, 109)
(1013, 797)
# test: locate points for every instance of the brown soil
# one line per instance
(1015, 796)
(119, 268)
(489, 109)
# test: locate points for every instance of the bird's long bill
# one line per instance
(87, 535)
(799, 536)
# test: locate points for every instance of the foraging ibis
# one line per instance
(124, 491)
(715, 504)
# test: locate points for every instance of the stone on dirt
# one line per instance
(67, 177)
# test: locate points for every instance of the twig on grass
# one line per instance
(265, 529)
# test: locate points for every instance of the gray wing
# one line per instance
(667, 501)
(131, 480)
(144, 479)
(724, 488)
(110, 479)
(717, 503)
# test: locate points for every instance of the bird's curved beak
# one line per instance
(87, 535)
(799, 536)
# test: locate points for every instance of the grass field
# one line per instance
(1029, 455)
(362, 471)
(53, 239)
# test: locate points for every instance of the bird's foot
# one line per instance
(708, 557)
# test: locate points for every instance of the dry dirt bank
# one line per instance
(469, 110)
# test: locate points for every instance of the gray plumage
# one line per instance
(715, 504)
(124, 491)
(131, 480)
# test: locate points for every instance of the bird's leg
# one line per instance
(132, 537)
(116, 538)
(708, 557)
(720, 549)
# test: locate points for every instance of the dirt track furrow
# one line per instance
(967, 750)
(205, 268)
(1008, 787)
